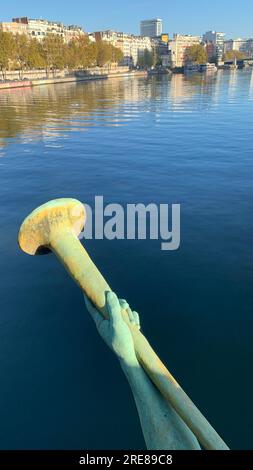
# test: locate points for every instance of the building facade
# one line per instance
(218, 40)
(161, 44)
(241, 45)
(73, 32)
(14, 28)
(211, 51)
(151, 28)
(132, 47)
(39, 28)
(178, 47)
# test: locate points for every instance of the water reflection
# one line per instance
(251, 87)
(48, 113)
(162, 140)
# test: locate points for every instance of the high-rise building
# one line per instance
(151, 28)
(218, 40)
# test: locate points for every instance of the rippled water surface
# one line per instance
(165, 140)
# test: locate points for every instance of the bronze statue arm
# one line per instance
(162, 427)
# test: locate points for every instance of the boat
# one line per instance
(207, 68)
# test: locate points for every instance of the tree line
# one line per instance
(20, 52)
(233, 54)
(197, 54)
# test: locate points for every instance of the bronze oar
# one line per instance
(55, 226)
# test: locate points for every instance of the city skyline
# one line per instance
(195, 19)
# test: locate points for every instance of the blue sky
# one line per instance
(183, 16)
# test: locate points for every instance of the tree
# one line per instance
(107, 53)
(36, 59)
(147, 58)
(232, 55)
(7, 50)
(116, 54)
(28, 53)
(54, 51)
(196, 54)
(103, 53)
(73, 55)
(92, 53)
(88, 52)
(21, 51)
(81, 53)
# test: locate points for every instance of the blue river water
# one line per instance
(184, 140)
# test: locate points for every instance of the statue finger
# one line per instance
(137, 319)
(124, 304)
(113, 307)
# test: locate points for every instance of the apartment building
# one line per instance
(14, 28)
(161, 44)
(39, 28)
(178, 47)
(132, 47)
(241, 45)
(73, 32)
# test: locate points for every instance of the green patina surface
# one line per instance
(56, 225)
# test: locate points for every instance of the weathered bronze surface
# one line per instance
(56, 226)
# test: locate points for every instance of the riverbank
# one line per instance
(54, 80)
